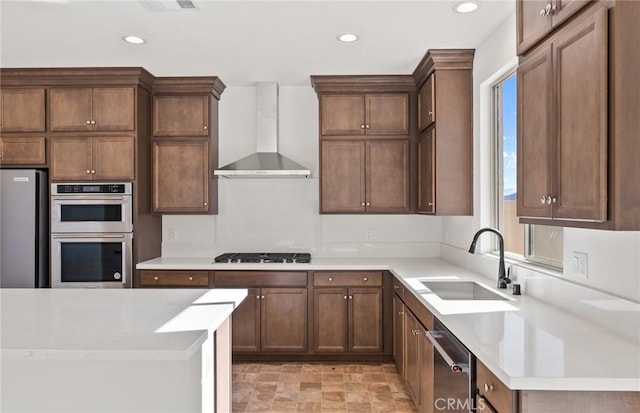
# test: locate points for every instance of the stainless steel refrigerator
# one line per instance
(24, 228)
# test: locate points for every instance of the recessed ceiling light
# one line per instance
(134, 39)
(348, 37)
(465, 6)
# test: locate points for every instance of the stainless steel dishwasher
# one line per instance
(454, 370)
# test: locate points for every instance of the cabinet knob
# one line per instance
(553, 200)
(205, 127)
(93, 122)
(262, 297)
(88, 171)
(155, 278)
(345, 297)
(365, 279)
(350, 297)
(361, 126)
(330, 278)
(430, 204)
(368, 203)
(205, 204)
(190, 278)
(395, 287)
(488, 387)
(258, 297)
(400, 312)
(430, 113)
(367, 126)
(93, 171)
(88, 122)
(362, 204)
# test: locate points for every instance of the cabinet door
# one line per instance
(113, 109)
(245, 323)
(535, 163)
(70, 109)
(365, 320)
(387, 176)
(412, 371)
(22, 110)
(398, 334)
(284, 319)
(113, 158)
(180, 176)
(532, 22)
(180, 115)
(425, 351)
(580, 70)
(342, 115)
(426, 171)
(28, 150)
(71, 159)
(426, 103)
(342, 176)
(387, 114)
(330, 320)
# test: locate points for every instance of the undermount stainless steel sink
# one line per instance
(461, 290)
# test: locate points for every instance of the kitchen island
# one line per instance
(89, 350)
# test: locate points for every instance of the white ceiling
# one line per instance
(241, 41)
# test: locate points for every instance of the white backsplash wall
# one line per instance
(283, 214)
(613, 256)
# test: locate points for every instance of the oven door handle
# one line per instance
(86, 198)
(89, 235)
(455, 367)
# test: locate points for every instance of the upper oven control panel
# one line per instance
(88, 189)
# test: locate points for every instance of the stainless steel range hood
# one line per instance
(266, 162)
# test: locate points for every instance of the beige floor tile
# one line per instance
(311, 377)
(312, 368)
(356, 387)
(333, 396)
(291, 377)
(375, 377)
(271, 368)
(357, 397)
(309, 407)
(359, 407)
(333, 386)
(353, 377)
(284, 406)
(384, 407)
(268, 378)
(259, 406)
(332, 368)
(352, 368)
(332, 377)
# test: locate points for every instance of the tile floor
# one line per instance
(319, 387)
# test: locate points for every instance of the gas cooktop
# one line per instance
(264, 257)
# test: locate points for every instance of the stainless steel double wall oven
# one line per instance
(91, 235)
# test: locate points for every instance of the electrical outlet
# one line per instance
(580, 263)
(171, 234)
(369, 234)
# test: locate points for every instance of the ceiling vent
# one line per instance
(168, 5)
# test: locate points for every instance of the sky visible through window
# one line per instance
(509, 155)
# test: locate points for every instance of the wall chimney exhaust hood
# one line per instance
(266, 162)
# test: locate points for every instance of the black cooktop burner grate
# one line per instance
(264, 257)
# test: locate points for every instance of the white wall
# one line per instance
(283, 214)
(613, 257)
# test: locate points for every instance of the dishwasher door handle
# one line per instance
(455, 367)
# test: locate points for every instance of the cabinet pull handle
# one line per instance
(553, 200)
(330, 278)
(365, 279)
(488, 387)
(155, 278)
(549, 200)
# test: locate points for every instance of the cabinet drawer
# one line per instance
(174, 278)
(347, 279)
(259, 279)
(494, 391)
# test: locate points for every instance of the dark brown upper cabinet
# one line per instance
(181, 115)
(22, 109)
(91, 109)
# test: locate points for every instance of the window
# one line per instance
(538, 243)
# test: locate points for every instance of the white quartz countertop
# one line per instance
(527, 343)
(110, 324)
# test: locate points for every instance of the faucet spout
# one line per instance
(503, 280)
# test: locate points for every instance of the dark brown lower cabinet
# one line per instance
(271, 320)
(348, 320)
(399, 334)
